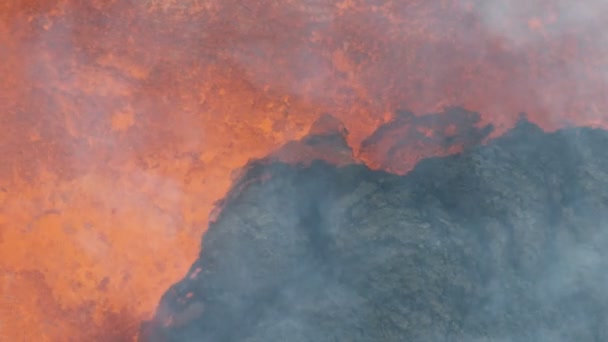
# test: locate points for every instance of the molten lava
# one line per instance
(122, 121)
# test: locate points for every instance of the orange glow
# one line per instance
(122, 121)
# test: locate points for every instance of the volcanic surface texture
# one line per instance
(122, 121)
(504, 241)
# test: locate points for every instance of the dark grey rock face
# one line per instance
(504, 242)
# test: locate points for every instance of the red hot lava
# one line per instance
(122, 121)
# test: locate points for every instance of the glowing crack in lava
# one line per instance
(122, 121)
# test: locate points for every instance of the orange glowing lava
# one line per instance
(121, 121)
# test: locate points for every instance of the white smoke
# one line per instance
(568, 42)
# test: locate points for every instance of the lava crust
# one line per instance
(502, 242)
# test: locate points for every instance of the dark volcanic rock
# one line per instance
(399, 144)
(504, 242)
(326, 140)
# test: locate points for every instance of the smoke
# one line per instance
(531, 22)
(565, 47)
(546, 58)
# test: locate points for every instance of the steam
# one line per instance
(568, 45)
(531, 22)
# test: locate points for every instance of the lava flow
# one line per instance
(122, 121)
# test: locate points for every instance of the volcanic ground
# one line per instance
(504, 241)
